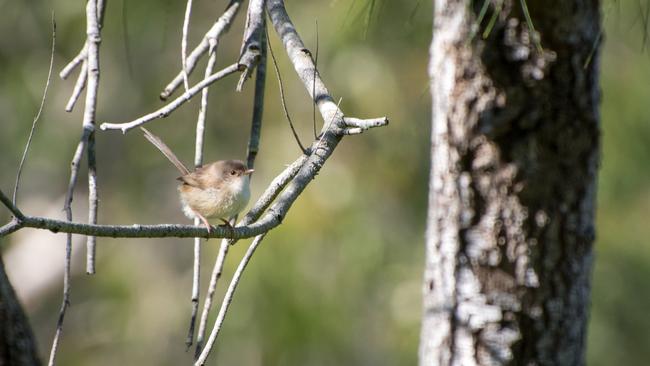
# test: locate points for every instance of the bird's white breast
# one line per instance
(224, 203)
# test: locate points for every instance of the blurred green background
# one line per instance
(339, 281)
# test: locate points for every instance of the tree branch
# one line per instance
(227, 299)
(38, 114)
(170, 107)
(12, 208)
(90, 110)
(217, 270)
(186, 27)
(252, 42)
(209, 40)
(198, 161)
(258, 104)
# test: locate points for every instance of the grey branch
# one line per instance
(209, 40)
(302, 62)
(283, 100)
(38, 114)
(304, 169)
(170, 107)
(252, 43)
(186, 27)
(67, 70)
(90, 110)
(78, 87)
(227, 299)
(198, 161)
(217, 270)
(90, 54)
(258, 105)
(275, 202)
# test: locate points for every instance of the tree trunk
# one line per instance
(17, 345)
(514, 152)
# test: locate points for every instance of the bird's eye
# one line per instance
(232, 172)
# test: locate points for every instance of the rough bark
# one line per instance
(17, 344)
(515, 149)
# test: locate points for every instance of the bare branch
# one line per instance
(10, 227)
(38, 114)
(203, 112)
(90, 109)
(81, 57)
(258, 104)
(198, 161)
(78, 87)
(303, 64)
(91, 60)
(186, 26)
(252, 43)
(217, 270)
(210, 38)
(227, 299)
(12, 208)
(170, 107)
(283, 100)
(273, 190)
(67, 207)
(64, 303)
(196, 283)
(365, 123)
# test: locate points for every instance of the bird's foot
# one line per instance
(205, 222)
(228, 225)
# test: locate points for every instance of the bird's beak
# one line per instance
(249, 171)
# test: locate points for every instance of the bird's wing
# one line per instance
(202, 177)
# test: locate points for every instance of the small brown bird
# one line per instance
(217, 190)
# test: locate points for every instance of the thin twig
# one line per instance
(203, 112)
(196, 282)
(170, 107)
(212, 36)
(217, 270)
(10, 227)
(78, 87)
(284, 103)
(67, 207)
(258, 104)
(87, 138)
(272, 191)
(251, 43)
(38, 114)
(64, 303)
(90, 110)
(67, 70)
(302, 61)
(227, 300)
(186, 27)
(198, 161)
(11, 207)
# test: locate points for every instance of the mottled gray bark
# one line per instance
(17, 344)
(515, 148)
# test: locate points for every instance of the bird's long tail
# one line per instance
(165, 150)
